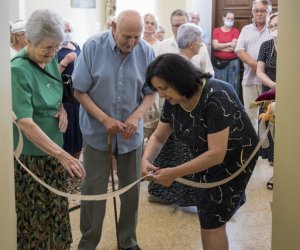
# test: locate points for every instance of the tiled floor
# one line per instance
(169, 228)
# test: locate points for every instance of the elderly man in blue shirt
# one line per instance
(109, 83)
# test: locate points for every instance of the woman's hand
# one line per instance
(164, 176)
(148, 168)
(71, 164)
(62, 119)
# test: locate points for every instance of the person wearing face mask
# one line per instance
(66, 56)
(225, 61)
(266, 73)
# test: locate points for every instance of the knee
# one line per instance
(217, 230)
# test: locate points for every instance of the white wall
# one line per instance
(8, 234)
(86, 22)
(204, 8)
(142, 6)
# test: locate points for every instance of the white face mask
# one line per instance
(67, 38)
(228, 23)
(274, 33)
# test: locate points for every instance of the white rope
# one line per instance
(118, 192)
(235, 174)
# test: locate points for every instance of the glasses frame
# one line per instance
(273, 27)
(262, 11)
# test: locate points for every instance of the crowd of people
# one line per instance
(205, 132)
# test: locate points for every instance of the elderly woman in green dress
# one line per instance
(42, 217)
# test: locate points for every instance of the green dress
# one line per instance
(42, 217)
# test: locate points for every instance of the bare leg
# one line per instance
(215, 239)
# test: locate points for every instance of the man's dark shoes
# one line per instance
(132, 248)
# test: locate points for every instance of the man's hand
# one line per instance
(114, 126)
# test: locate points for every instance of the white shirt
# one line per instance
(155, 46)
(201, 60)
(250, 41)
(13, 52)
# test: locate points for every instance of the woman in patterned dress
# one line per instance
(207, 115)
(266, 72)
(42, 217)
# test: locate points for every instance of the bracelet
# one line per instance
(62, 65)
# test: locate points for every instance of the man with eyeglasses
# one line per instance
(169, 45)
(247, 49)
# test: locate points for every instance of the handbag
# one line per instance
(218, 63)
(68, 92)
(68, 95)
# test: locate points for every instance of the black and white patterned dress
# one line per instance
(218, 108)
(268, 55)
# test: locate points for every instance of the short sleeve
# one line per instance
(220, 110)
(21, 93)
(150, 55)
(215, 34)
(166, 113)
(82, 79)
(236, 33)
(241, 45)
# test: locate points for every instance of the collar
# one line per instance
(111, 39)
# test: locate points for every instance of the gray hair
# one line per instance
(264, 2)
(186, 34)
(154, 19)
(44, 23)
(181, 12)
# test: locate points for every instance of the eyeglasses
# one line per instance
(50, 49)
(176, 25)
(273, 27)
(262, 11)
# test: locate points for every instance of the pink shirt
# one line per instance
(225, 37)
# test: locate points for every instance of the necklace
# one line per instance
(196, 101)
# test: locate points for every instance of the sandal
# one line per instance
(270, 184)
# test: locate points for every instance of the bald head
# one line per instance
(131, 19)
(68, 25)
(127, 30)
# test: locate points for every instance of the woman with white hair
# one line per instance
(42, 217)
(150, 27)
(191, 46)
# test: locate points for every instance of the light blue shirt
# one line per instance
(204, 36)
(116, 85)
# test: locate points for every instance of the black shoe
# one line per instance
(131, 248)
(270, 184)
